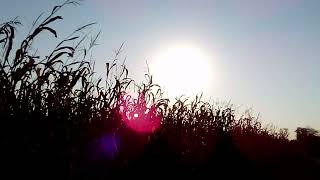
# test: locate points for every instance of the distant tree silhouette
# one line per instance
(309, 141)
(302, 133)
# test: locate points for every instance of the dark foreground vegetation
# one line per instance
(59, 121)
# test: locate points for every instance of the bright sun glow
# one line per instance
(182, 70)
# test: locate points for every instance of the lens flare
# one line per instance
(106, 147)
(140, 118)
(135, 115)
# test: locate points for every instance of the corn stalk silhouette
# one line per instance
(53, 106)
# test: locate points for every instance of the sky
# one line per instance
(266, 54)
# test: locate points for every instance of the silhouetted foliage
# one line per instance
(309, 140)
(59, 121)
(303, 133)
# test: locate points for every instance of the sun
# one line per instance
(182, 69)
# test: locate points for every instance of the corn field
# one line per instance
(59, 119)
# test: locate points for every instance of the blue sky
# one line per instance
(267, 52)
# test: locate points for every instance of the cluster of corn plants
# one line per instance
(54, 105)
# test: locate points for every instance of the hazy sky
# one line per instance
(267, 52)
